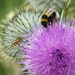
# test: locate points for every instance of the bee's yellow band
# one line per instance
(46, 14)
(44, 20)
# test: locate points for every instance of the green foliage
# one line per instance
(8, 5)
(71, 10)
(9, 68)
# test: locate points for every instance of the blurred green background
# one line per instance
(8, 5)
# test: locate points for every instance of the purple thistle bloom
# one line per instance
(51, 51)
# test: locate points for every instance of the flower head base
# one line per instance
(19, 25)
(51, 51)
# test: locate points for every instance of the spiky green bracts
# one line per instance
(19, 25)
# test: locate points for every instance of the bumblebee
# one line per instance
(49, 17)
(15, 43)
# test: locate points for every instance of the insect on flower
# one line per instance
(49, 17)
(50, 52)
(15, 43)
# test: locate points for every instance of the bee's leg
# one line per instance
(50, 23)
(55, 19)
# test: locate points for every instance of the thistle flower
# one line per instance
(20, 24)
(51, 50)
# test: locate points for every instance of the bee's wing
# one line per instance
(57, 15)
(51, 11)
